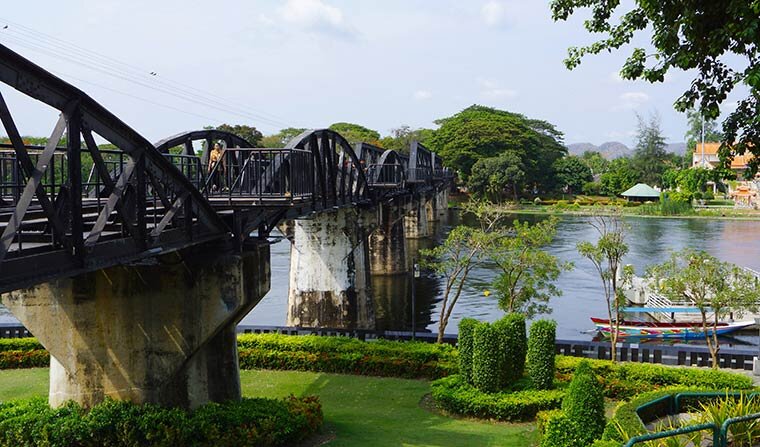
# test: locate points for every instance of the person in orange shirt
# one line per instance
(215, 157)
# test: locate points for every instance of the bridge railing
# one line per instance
(260, 174)
(386, 175)
(190, 166)
(419, 175)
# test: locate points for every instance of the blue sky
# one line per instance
(309, 63)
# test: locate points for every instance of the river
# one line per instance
(650, 240)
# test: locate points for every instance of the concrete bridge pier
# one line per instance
(416, 222)
(441, 204)
(329, 271)
(162, 331)
(387, 244)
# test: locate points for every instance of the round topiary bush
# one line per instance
(487, 358)
(249, 422)
(584, 405)
(511, 329)
(540, 356)
(466, 329)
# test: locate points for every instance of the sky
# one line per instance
(173, 65)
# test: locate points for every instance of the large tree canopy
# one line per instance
(703, 36)
(481, 132)
(572, 173)
(248, 133)
(401, 138)
(355, 133)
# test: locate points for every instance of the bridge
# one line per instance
(132, 262)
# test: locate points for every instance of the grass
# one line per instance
(365, 411)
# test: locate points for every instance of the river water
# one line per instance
(650, 240)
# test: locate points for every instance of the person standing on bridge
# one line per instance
(215, 156)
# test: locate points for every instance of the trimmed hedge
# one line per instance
(345, 363)
(24, 359)
(514, 344)
(454, 395)
(560, 431)
(20, 344)
(464, 343)
(487, 358)
(250, 422)
(584, 406)
(625, 380)
(420, 352)
(540, 356)
(625, 416)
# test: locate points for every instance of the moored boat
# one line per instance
(683, 330)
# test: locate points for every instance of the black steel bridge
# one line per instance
(78, 205)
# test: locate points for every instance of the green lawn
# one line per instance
(360, 411)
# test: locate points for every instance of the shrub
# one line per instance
(24, 359)
(584, 405)
(345, 363)
(624, 380)
(511, 329)
(466, 328)
(626, 420)
(454, 395)
(20, 344)
(487, 358)
(250, 422)
(560, 431)
(708, 195)
(540, 355)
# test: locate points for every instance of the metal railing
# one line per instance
(386, 175)
(190, 166)
(261, 174)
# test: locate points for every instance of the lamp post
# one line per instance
(415, 275)
(756, 360)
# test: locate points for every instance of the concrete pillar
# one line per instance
(416, 223)
(442, 204)
(329, 272)
(160, 332)
(387, 244)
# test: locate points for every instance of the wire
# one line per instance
(46, 39)
(102, 64)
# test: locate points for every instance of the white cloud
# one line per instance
(631, 100)
(422, 95)
(493, 90)
(316, 16)
(493, 13)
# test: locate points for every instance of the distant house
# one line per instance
(706, 156)
(641, 193)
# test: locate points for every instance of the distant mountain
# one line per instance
(615, 149)
(609, 150)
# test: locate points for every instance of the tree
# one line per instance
(572, 173)
(620, 176)
(281, 138)
(402, 137)
(526, 272)
(717, 40)
(481, 132)
(595, 162)
(355, 133)
(650, 156)
(607, 257)
(456, 256)
(492, 177)
(697, 122)
(713, 286)
(248, 133)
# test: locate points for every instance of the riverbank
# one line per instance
(581, 211)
